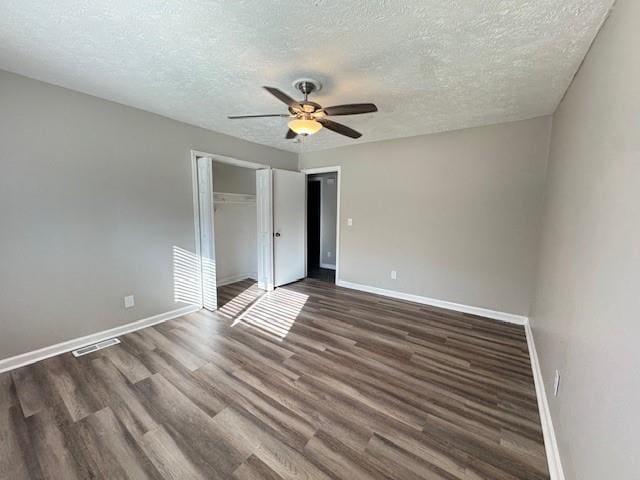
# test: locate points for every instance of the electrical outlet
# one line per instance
(349, 222)
(394, 275)
(329, 254)
(129, 301)
(556, 383)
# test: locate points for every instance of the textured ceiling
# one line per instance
(429, 65)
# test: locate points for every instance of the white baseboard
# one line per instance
(458, 307)
(550, 442)
(330, 266)
(221, 282)
(46, 352)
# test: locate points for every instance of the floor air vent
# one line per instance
(95, 346)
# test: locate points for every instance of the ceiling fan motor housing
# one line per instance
(308, 107)
(307, 85)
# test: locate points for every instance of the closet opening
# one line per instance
(322, 225)
(235, 223)
(231, 266)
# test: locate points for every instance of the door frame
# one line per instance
(319, 180)
(337, 170)
(195, 154)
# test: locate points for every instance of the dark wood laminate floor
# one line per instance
(324, 274)
(310, 381)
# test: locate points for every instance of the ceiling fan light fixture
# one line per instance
(307, 117)
(304, 127)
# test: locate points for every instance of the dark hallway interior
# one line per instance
(313, 234)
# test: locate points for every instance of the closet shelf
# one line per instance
(233, 198)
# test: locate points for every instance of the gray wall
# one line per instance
(93, 198)
(456, 214)
(235, 225)
(587, 301)
(228, 178)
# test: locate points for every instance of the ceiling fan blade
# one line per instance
(290, 134)
(339, 128)
(283, 97)
(236, 117)
(351, 109)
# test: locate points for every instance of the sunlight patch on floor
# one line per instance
(274, 313)
(239, 304)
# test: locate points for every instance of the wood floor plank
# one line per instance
(123, 399)
(282, 459)
(339, 460)
(52, 450)
(285, 423)
(180, 353)
(191, 425)
(128, 364)
(13, 461)
(311, 381)
(184, 380)
(74, 395)
(29, 393)
(8, 395)
(168, 457)
(117, 454)
(317, 410)
(255, 469)
(399, 463)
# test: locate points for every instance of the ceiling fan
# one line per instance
(308, 117)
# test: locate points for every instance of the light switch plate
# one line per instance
(349, 222)
(394, 275)
(129, 301)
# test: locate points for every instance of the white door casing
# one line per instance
(337, 169)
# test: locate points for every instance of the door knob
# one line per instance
(277, 234)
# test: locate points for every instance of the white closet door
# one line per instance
(207, 247)
(289, 203)
(264, 210)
